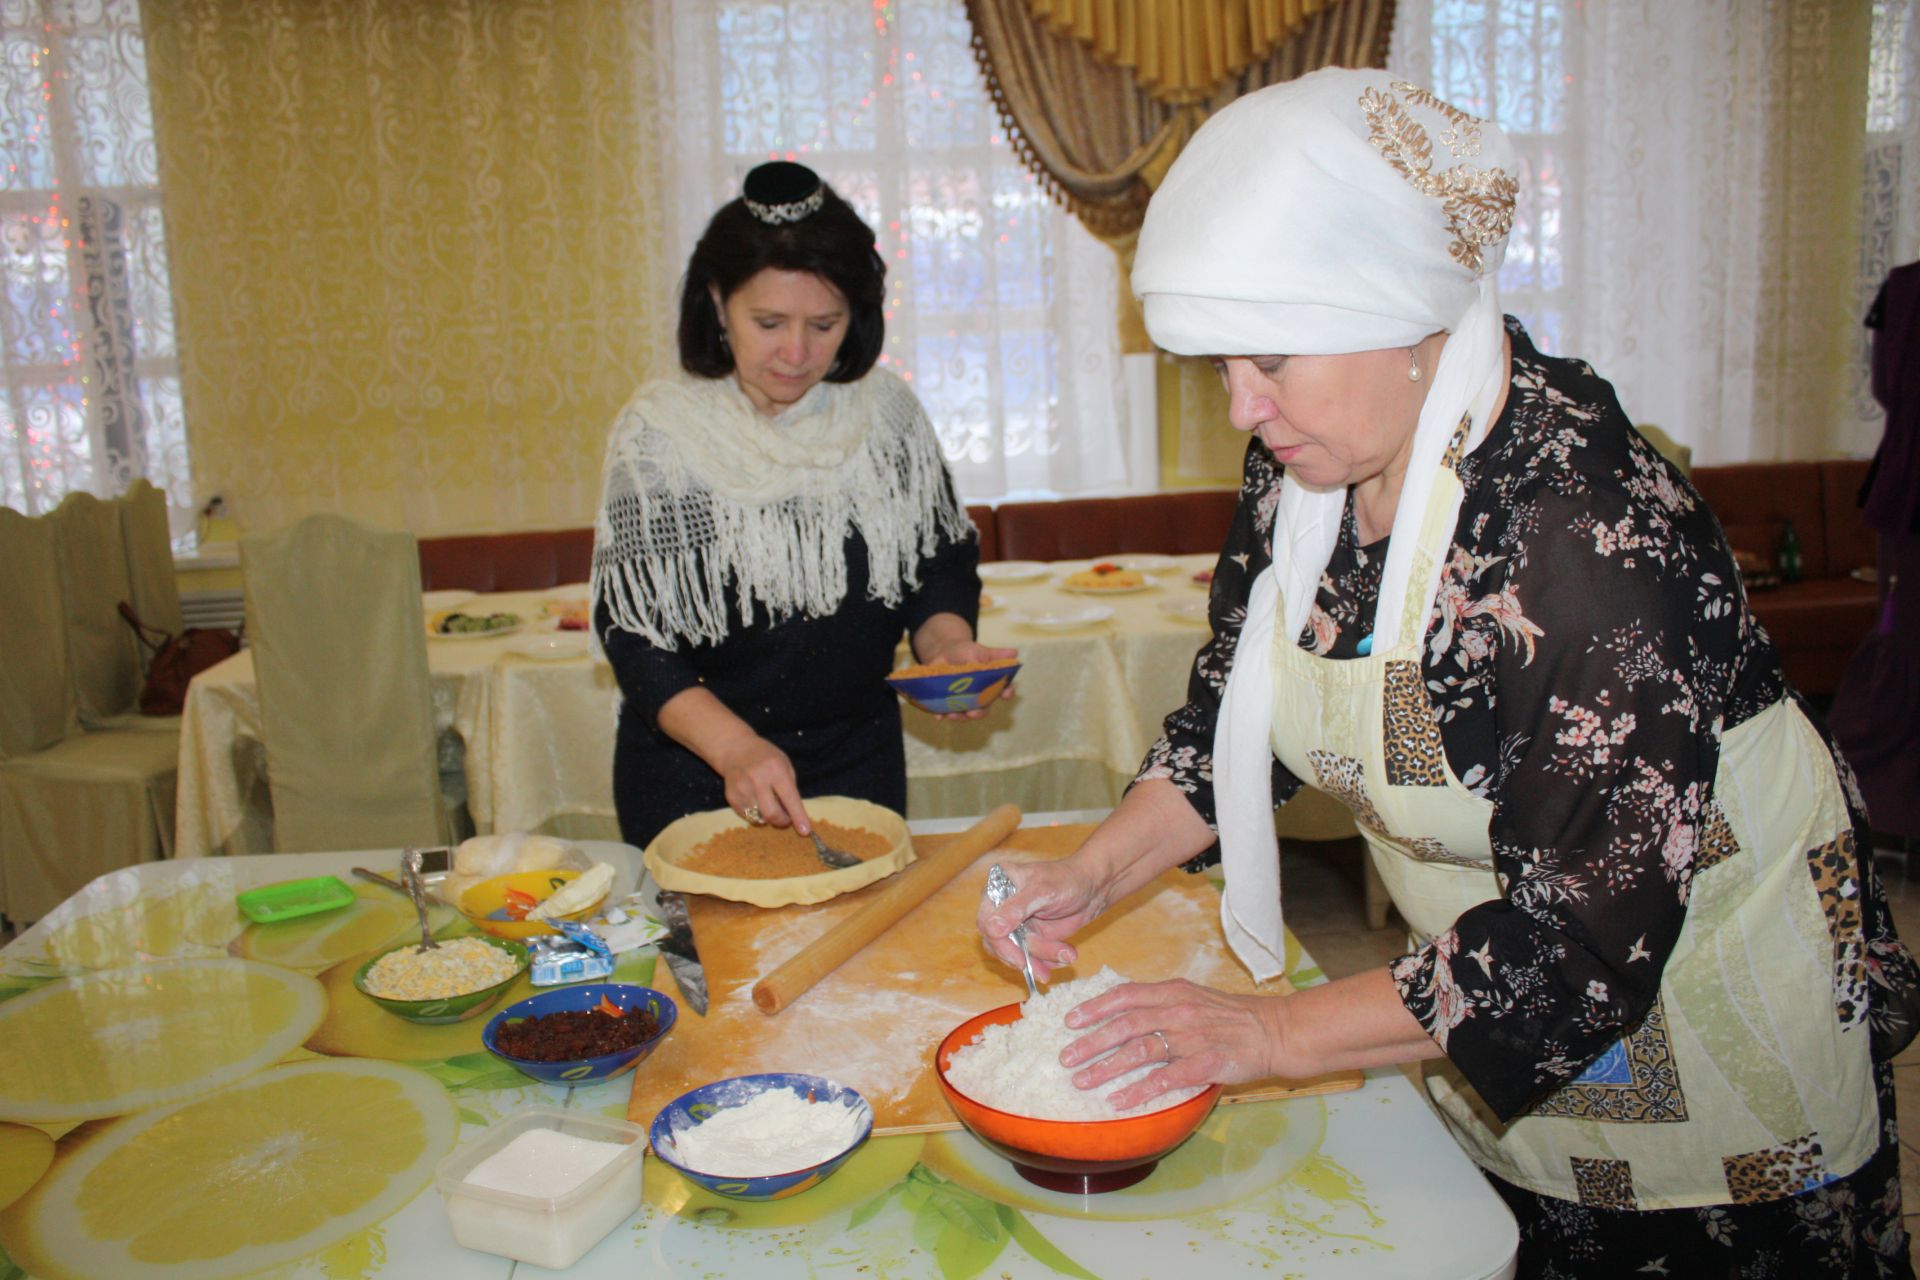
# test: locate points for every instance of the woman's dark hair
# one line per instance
(788, 234)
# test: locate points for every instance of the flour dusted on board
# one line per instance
(1015, 1067)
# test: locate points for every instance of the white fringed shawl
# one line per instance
(704, 493)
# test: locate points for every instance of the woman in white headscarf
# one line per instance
(1653, 979)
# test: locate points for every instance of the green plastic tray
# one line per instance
(291, 899)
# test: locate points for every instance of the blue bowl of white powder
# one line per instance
(762, 1137)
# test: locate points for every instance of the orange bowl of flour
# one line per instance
(1078, 1157)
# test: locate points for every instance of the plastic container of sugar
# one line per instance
(543, 1185)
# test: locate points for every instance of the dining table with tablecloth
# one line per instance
(527, 719)
(210, 1097)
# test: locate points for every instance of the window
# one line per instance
(1677, 169)
(92, 389)
(1522, 90)
(1001, 308)
(1890, 172)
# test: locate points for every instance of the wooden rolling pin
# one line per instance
(909, 889)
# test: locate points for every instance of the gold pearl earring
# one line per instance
(1413, 366)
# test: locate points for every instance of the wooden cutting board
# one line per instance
(875, 1022)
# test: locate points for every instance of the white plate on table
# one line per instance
(1143, 563)
(1190, 610)
(440, 601)
(1012, 571)
(568, 591)
(1066, 617)
(1064, 585)
(551, 646)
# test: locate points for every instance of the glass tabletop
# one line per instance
(186, 1094)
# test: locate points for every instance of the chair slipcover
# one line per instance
(151, 588)
(107, 670)
(339, 649)
(92, 804)
(73, 804)
(1678, 454)
(36, 699)
(155, 592)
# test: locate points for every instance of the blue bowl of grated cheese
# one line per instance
(761, 1137)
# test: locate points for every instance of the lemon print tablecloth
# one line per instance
(186, 1096)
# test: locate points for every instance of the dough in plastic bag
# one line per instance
(484, 857)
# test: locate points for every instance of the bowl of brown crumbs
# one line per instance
(719, 853)
(449, 983)
(947, 688)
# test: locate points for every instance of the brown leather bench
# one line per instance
(526, 561)
(1820, 620)
(1180, 523)
(987, 522)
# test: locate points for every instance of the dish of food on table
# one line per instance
(455, 624)
(569, 614)
(1105, 577)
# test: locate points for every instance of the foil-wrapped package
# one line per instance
(577, 955)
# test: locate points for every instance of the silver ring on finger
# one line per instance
(752, 814)
(1165, 1047)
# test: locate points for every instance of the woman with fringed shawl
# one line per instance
(773, 522)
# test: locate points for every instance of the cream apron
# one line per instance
(1749, 1078)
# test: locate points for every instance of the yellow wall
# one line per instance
(1198, 448)
(414, 272)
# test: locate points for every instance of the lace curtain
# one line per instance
(92, 391)
(1000, 309)
(1890, 179)
(413, 251)
(1691, 204)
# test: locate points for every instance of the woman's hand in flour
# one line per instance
(1153, 828)
(1055, 900)
(1204, 1036)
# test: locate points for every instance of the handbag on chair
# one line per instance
(176, 660)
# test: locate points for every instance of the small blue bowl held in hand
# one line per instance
(695, 1107)
(951, 692)
(579, 998)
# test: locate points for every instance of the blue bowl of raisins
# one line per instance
(581, 1034)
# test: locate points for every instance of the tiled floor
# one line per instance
(1324, 907)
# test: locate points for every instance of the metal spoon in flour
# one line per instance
(999, 889)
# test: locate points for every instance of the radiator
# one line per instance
(213, 608)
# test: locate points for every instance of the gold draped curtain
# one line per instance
(410, 250)
(1099, 96)
(1179, 51)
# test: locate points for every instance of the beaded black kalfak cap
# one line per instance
(781, 191)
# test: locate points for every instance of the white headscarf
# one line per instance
(1343, 211)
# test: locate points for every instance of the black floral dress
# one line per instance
(1589, 643)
